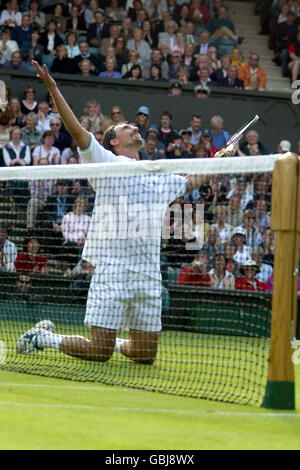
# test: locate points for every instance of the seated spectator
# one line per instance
(294, 57)
(265, 270)
(189, 32)
(186, 135)
(115, 11)
(242, 253)
(11, 16)
(176, 62)
(188, 55)
(204, 43)
(90, 11)
(212, 55)
(206, 140)
(262, 191)
(126, 29)
(155, 74)
(169, 33)
(24, 292)
(253, 234)
(285, 34)
(195, 274)
(175, 89)
(7, 45)
(46, 150)
(165, 131)
(75, 227)
(62, 63)
(221, 27)
(30, 261)
(50, 39)
(241, 190)
(198, 13)
(165, 50)
(142, 120)
(199, 151)
(220, 137)
(60, 18)
(195, 128)
(156, 58)
(39, 190)
(116, 115)
(235, 215)
(179, 248)
(252, 145)
(97, 119)
(137, 43)
(268, 245)
(219, 74)
(236, 57)
(43, 117)
(31, 49)
(6, 119)
(37, 18)
(149, 35)
(8, 250)
(121, 51)
(153, 132)
(202, 77)
(202, 92)
(232, 80)
(212, 245)
(253, 68)
(30, 135)
(181, 15)
(224, 229)
(110, 69)
(134, 59)
(149, 151)
(284, 146)
(114, 33)
(29, 104)
(220, 277)
(16, 153)
(76, 23)
(136, 73)
(262, 217)
(231, 265)
(98, 30)
(86, 68)
(72, 46)
(62, 138)
(23, 32)
(249, 281)
(79, 188)
(16, 62)
(14, 107)
(85, 54)
(176, 148)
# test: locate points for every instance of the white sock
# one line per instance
(119, 342)
(47, 339)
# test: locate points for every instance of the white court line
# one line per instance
(70, 387)
(149, 410)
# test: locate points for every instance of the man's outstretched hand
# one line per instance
(44, 75)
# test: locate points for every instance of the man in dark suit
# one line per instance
(98, 30)
(232, 80)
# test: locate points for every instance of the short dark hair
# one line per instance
(167, 113)
(109, 134)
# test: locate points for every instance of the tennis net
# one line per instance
(124, 247)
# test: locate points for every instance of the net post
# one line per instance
(280, 389)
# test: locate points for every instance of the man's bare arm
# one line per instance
(80, 135)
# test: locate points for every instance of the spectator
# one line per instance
(155, 74)
(212, 55)
(11, 17)
(16, 62)
(249, 281)
(212, 245)
(195, 128)
(110, 69)
(189, 33)
(90, 11)
(50, 39)
(6, 119)
(202, 92)
(30, 135)
(76, 23)
(232, 80)
(169, 33)
(221, 27)
(285, 34)
(149, 151)
(175, 64)
(175, 89)
(141, 16)
(262, 191)
(22, 33)
(98, 30)
(62, 138)
(37, 18)
(149, 35)
(40, 190)
(236, 57)
(207, 141)
(97, 119)
(262, 218)
(115, 11)
(164, 48)
(121, 50)
(126, 29)
(86, 68)
(59, 18)
(253, 235)
(8, 250)
(265, 270)
(204, 44)
(176, 148)
(242, 253)
(182, 15)
(252, 145)
(29, 104)
(220, 277)
(7, 45)
(43, 117)
(24, 291)
(30, 261)
(137, 43)
(234, 215)
(165, 131)
(156, 58)
(72, 46)
(74, 227)
(241, 190)
(116, 115)
(253, 68)
(81, 277)
(31, 49)
(284, 146)
(198, 13)
(62, 63)
(46, 150)
(231, 265)
(268, 245)
(221, 73)
(153, 132)
(114, 33)
(134, 59)
(186, 135)
(85, 54)
(223, 228)
(202, 77)
(16, 153)
(14, 106)
(220, 137)
(142, 120)
(294, 56)
(195, 274)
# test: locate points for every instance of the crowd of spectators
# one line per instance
(154, 41)
(176, 41)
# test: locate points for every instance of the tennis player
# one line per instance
(125, 289)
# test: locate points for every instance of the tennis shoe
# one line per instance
(26, 344)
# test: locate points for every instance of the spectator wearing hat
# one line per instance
(195, 273)
(207, 141)
(202, 91)
(142, 120)
(175, 89)
(156, 58)
(284, 146)
(166, 133)
(8, 250)
(265, 270)
(220, 277)
(241, 190)
(242, 252)
(249, 282)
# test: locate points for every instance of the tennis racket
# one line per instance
(237, 136)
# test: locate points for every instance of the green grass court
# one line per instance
(49, 413)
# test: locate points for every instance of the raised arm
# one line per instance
(80, 135)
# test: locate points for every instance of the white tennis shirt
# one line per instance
(126, 225)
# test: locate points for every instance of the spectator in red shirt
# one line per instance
(195, 274)
(31, 261)
(249, 281)
(294, 55)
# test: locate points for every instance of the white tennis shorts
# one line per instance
(120, 298)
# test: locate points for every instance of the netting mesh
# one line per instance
(125, 249)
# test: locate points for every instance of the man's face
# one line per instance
(25, 21)
(84, 48)
(156, 56)
(114, 32)
(99, 17)
(253, 60)
(44, 108)
(204, 36)
(196, 123)
(127, 136)
(24, 284)
(62, 189)
(16, 59)
(232, 72)
(165, 121)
